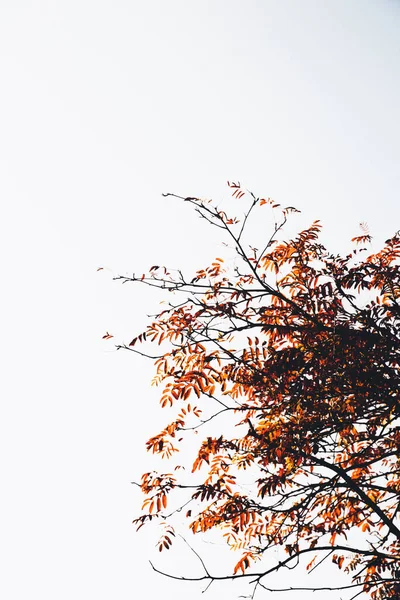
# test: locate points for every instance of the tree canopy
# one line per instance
(291, 353)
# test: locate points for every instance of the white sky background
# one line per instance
(103, 106)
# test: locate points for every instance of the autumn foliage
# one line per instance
(291, 354)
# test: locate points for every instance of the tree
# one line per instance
(292, 355)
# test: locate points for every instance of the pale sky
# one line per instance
(103, 106)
